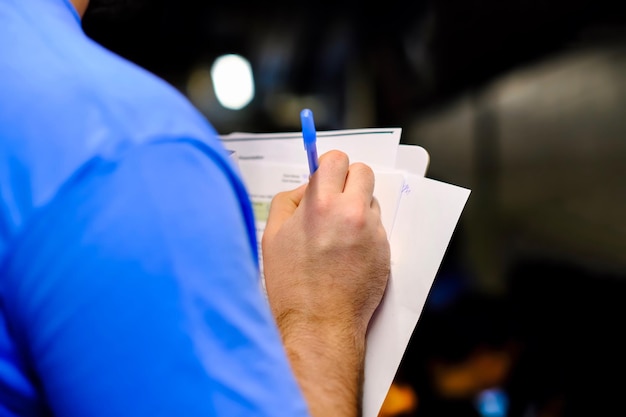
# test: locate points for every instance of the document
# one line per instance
(376, 147)
(419, 215)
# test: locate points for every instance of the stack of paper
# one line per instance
(419, 215)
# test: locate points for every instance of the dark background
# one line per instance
(523, 102)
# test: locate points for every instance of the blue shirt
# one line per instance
(129, 283)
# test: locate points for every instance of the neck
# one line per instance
(80, 6)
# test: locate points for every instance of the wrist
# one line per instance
(320, 328)
(327, 359)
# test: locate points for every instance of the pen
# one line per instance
(309, 136)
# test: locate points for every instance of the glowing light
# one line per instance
(492, 403)
(232, 81)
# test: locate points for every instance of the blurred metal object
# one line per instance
(544, 151)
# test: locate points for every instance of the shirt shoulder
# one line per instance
(71, 101)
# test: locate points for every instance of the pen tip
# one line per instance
(306, 117)
(308, 126)
(305, 113)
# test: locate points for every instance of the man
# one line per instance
(128, 264)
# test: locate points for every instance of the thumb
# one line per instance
(283, 205)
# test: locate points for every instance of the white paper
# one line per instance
(413, 159)
(376, 147)
(428, 213)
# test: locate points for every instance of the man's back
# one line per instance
(128, 264)
(65, 100)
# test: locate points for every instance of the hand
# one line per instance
(326, 262)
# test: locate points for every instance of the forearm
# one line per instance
(327, 360)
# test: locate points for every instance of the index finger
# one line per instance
(283, 205)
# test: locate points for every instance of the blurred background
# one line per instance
(523, 102)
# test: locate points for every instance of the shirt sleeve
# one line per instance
(136, 292)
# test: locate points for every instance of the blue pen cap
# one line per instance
(308, 127)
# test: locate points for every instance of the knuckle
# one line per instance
(338, 155)
(335, 157)
(362, 169)
(356, 216)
